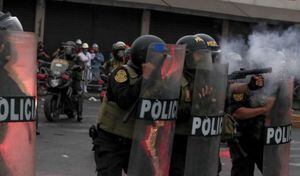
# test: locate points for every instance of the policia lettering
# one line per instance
(207, 126)
(17, 109)
(158, 109)
(278, 135)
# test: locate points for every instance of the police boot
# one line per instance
(79, 108)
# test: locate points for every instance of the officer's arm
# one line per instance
(244, 113)
(239, 107)
(124, 93)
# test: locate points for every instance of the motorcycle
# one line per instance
(60, 98)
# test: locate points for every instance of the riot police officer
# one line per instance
(112, 141)
(76, 67)
(249, 108)
(118, 59)
(197, 48)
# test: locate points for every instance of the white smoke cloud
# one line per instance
(266, 48)
(232, 53)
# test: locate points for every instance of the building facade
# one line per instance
(107, 21)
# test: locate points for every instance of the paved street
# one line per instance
(64, 148)
(294, 157)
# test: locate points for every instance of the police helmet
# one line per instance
(140, 46)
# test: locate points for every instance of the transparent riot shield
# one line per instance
(209, 94)
(157, 111)
(17, 103)
(278, 131)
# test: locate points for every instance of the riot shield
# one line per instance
(207, 112)
(157, 111)
(17, 103)
(278, 131)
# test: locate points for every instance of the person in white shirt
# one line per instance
(86, 57)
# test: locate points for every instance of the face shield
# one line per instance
(152, 68)
(216, 56)
(196, 57)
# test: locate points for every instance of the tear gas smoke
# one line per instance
(264, 48)
(279, 49)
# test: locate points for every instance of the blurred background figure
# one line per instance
(97, 61)
(118, 56)
(41, 53)
(86, 57)
(78, 48)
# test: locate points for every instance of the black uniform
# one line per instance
(194, 43)
(113, 143)
(75, 67)
(250, 137)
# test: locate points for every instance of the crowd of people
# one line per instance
(92, 58)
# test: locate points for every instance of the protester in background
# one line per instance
(58, 52)
(86, 57)
(78, 46)
(41, 53)
(98, 59)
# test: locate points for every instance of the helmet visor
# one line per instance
(196, 57)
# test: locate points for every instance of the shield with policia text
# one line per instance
(278, 130)
(210, 85)
(157, 111)
(17, 103)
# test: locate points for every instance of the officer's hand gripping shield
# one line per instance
(157, 111)
(210, 85)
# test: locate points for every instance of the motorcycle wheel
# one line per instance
(51, 113)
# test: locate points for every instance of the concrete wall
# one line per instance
(284, 4)
(282, 10)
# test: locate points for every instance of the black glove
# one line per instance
(256, 82)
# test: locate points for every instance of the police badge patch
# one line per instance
(238, 97)
(121, 76)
